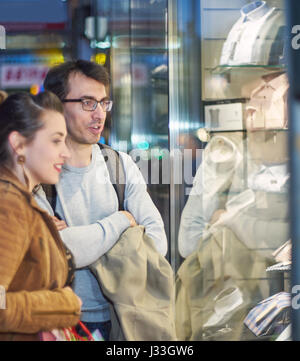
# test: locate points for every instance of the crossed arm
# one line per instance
(89, 242)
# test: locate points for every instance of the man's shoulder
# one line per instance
(105, 150)
(108, 150)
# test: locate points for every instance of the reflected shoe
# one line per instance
(227, 302)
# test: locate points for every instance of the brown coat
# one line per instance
(33, 267)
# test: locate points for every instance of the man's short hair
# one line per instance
(57, 79)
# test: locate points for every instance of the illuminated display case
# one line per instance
(228, 89)
(200, 93)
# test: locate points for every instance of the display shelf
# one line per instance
(221, 69)
(227, 131)
(28, 51)
(280, 267)
(245, 130)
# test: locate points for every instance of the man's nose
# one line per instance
(99, 112)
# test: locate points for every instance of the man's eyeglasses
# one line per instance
(91, 104)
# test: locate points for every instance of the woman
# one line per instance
(33, 264)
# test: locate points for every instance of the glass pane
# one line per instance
(139, 61)
(234, 228)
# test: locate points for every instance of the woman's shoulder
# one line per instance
(8, 189)
(12, 197)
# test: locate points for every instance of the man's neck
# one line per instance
(81, 154)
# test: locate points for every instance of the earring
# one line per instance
(21, 159)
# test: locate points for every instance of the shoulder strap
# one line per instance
(116, 171)
(51, 194)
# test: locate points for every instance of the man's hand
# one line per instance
(131, 218)
(60, 225)
(217, 214)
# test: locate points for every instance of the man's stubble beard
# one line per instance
(73, 138)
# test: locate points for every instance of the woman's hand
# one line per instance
(78, 298)
(60, 225)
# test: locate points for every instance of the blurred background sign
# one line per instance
(22, 76)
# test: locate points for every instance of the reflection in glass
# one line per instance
(233, 237)
(230, 228)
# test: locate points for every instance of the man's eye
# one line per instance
(88, 102)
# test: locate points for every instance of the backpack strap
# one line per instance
(116, 171)
(51, 195)
(116, 174)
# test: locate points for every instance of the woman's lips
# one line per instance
(58, 167)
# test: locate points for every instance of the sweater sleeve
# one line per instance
(27, 312)
(139, 203)
(88, 243)
(196, 215)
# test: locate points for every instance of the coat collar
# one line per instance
(8, 176)
(254, 11)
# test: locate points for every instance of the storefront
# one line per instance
(211, 100)
(236, 217)
(201, 91)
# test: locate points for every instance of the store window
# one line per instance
(139, 69)
(233, 239)
(200, 102)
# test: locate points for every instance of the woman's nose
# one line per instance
(65, 152)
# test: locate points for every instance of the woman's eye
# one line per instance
(56, 141)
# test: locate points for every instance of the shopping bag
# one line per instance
(70, 334)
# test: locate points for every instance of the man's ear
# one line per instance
(16, 141)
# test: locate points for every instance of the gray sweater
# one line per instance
(88, 203)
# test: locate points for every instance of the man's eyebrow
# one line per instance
(93, 98)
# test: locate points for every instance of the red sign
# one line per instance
(33, 26)
(22, 76)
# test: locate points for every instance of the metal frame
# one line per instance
(174, 119)
(293, 18)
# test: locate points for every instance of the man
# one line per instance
(87, 203)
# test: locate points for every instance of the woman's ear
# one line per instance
(16, 141)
